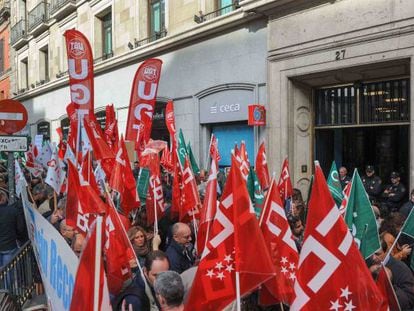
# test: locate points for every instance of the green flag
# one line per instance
(255, 192)
(408, 229)
(142, 184)
(194, 166)
(182, 150)
(335, 185)
(360, 218)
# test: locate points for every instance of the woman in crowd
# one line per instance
(141, 244)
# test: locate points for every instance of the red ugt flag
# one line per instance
(235, 244)
(282, 248)
(285, 184)
(332, 275)
(262, 170)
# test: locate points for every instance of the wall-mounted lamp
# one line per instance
(130, 45)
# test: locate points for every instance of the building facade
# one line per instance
(334, 76)
(5, 69)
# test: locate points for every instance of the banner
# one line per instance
(142, 102)
(56, 260)
(80, 67)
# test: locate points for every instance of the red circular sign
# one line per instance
(13, 116)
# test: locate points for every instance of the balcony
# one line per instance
(38, 18)
(157, 35)
(19, 35)
(4, 10)
(61, 8)
(219, 12)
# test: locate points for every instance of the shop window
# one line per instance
(157, 17)
(101, 118)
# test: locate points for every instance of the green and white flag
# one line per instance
(142, 183)
(360, 218)
(255, 192)
(181, 148)
(334, 185)
(408, 229)
(193, 162)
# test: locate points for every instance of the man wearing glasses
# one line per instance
(180, 251)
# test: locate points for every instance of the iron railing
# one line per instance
(56, 5)
(17, 277)
(154, 37)
(216, 13)
(18, 31)
(103, 57)
(38, 15)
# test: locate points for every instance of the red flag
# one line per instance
(214, 152)
(155, 200)
(100, 148)
(123, 181)
(208, 211)
(243, 161)
(170, 123)
(285, 184)
(236, 151)
(390, 302)
(332, 273)
(111, 128)
(80, 68)
(87, 172)
(117, 250)
(85, 288)
(282, 248)
(235, 244)
(142, 102)
(261, 167)
(34, 168)
(344, 203)
(176, 200)
(190, 197)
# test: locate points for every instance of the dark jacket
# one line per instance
(180, 259)
(12, 226)
(373, 186)
(402, 282)
(395, 200)
(406, 208)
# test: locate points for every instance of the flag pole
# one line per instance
(267, 199)
(238, 299)
(155, 213)
(208, 151)
(97, 263)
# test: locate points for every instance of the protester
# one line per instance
(12, 227)
(343, 176)
(401, 278)
(180, 250)
(296, 225)
(372, 183)
(40, 196)
(66, 231)
(169, 290)
(394, 193)
(58, 214)
(142, 246)
(135, 171)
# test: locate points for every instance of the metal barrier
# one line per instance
(18, 276)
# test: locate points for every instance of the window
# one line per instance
(2, 56)
(44, 64)
(157, 17)
(225, 6)
(24, 74)
(107, 35)
(363, 103)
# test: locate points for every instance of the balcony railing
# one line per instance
(221, 11)
(19, 32)
(103, 57)
(60, 8)
(38, 15)
(154, 37)
(4, 10)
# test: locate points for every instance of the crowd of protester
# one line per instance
(168, 257)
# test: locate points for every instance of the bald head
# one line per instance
(181, 233)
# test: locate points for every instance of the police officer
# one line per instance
(372, 183)
(394, 194)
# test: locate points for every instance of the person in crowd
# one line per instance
(142, 246)
(394, 193)
(298, 209)
(40, 197)
(135, 170)
(389, 229)
(180, 249)
(400, 275)
(58, 214)
(12, 226)
(77, 243)
(407, 206)
(66, 231)
(169, 290)
(297, 196)
(343, 176)
(372, 183)
(298, 230)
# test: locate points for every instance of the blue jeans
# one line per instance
(7, 256)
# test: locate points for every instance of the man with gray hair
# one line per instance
(180, 250)
(169, 289)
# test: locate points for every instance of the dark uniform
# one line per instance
(344, 181)
(394, 194)
(372, 184)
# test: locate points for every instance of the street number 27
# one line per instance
(340, 54)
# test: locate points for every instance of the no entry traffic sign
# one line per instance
(13, 116)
